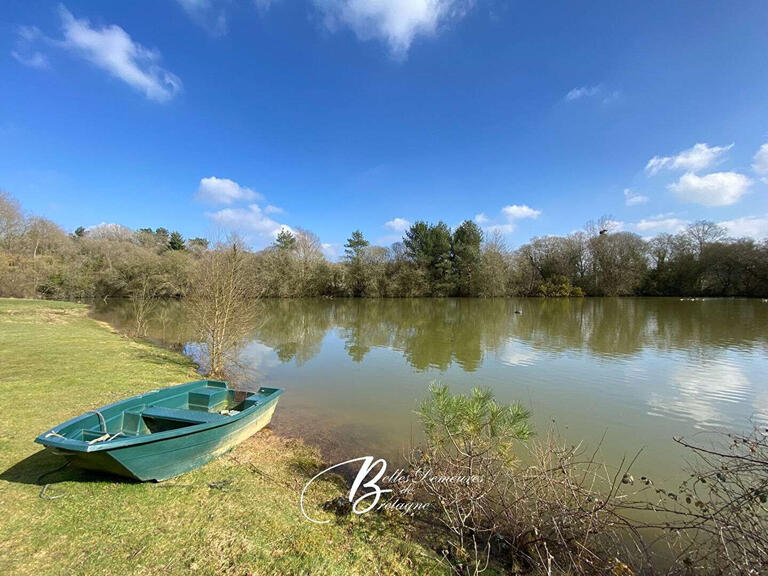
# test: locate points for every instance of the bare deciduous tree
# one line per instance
(494, 266)
(703, 232)
(11, 220)
(224, 303)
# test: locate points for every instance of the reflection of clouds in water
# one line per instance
(252, 361)
(247, 372)
(514, 353)
(259, 356)
(708, 393)
(195, 351)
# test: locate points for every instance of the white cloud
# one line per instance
(515, 212)
(717, 189)
(502, 228)
(24, 52)
(632, 199)
(112, 49)
(749, 226)
(695, 159)
(512, 214)
(760, 162)
(583, 92)
(250, 219)
(752, 226)
(109, 231)
(226, 191)
(614, 225)
(331, 251)
(207, 14)
(398, 224)
(33, 59)
(597, 91)
(660, 224)
(397, 22)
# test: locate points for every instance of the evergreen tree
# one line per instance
(176, 241)
(354, 251)
(355, 246)
(416, 243)
(467, 240)
(200, 243)
(161, 237)
(442, 280)
(285, 241)
(429, 247)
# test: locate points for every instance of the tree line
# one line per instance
(39, 259)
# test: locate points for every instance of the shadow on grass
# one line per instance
(43, 467)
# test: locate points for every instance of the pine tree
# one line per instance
(176, 241)
(429, 246)
(354, 251)
(355, 246)
(467, 239)
(285, 241)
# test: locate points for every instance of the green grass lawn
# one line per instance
(237, 515)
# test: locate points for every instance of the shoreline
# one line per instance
(236, 514)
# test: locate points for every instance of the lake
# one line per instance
(633, 372)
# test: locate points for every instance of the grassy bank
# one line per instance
(237, 515)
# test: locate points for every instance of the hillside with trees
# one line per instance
(38, 259)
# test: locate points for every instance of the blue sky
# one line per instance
(331, 115)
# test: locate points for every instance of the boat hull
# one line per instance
(164, 459)
(163, 433)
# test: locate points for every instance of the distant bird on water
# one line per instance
(518, 311)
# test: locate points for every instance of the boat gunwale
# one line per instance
(82, 446)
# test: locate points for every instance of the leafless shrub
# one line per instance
(559, 512)
(717, 521)
(563, 512)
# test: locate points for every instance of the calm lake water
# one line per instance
(636, 371)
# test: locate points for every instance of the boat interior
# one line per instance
(206, 401)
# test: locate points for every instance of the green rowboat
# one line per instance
(163, 433)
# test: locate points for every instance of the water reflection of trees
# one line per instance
(430, 333)
(168, 323)
(437, 333)
(295, 328)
